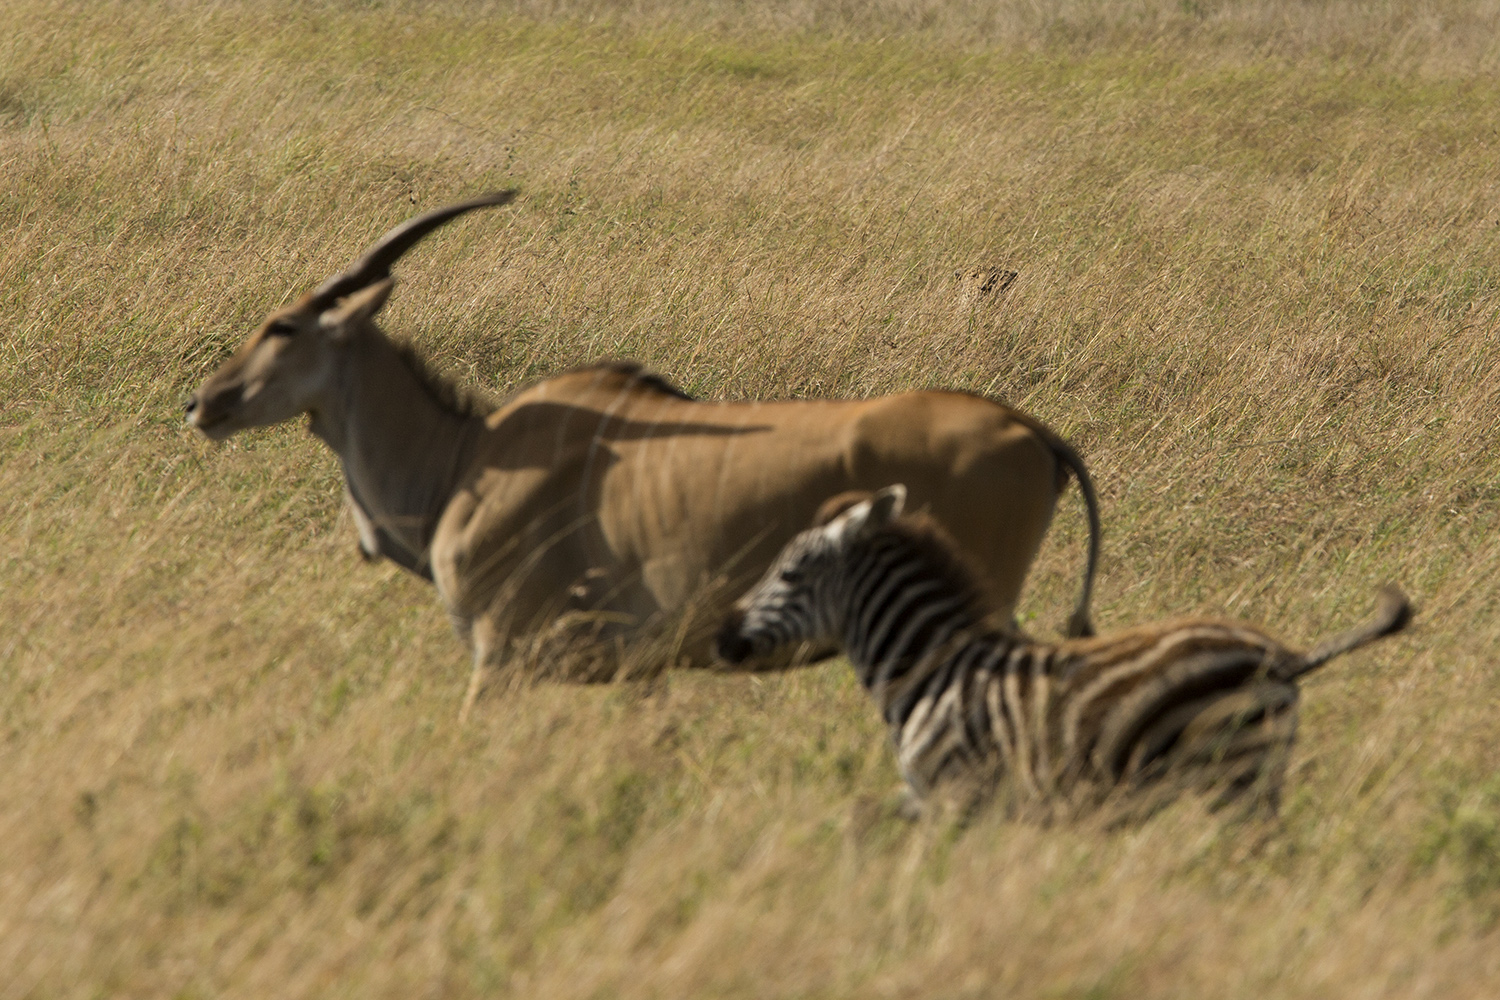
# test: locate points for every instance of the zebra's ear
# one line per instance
(887, 505)
(837, 506)
(874, 513)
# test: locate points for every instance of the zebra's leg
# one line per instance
(1233, 744)
(1254, 759)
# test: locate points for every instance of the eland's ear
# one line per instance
(870, 515)
(356, 309)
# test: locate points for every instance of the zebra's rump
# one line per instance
(1229, 739)
(1147, 723)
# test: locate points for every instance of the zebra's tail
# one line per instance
(1392, 613)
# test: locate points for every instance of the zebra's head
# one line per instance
(794, 601)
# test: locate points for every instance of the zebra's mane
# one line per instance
(935, 549)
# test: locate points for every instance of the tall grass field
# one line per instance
(1257, 248)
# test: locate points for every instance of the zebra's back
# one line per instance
(1090, 715)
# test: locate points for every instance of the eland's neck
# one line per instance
(402, 451)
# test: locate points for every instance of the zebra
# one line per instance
(1211, 702)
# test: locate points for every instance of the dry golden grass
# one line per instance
(1257, 250)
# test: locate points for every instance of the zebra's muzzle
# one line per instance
(730, 645)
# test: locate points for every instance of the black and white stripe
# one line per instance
(1215, 701)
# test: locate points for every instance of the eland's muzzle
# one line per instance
(206, 411)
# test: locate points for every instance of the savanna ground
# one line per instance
(1258, 287)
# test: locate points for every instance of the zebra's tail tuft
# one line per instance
(1392, 613)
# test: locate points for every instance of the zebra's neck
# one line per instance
(904, 610)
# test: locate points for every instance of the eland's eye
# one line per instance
(791, 576)
(281, 328)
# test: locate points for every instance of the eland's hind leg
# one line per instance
(481, 635)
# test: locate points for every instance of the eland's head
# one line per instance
(289, 366)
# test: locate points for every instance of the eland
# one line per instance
(606, 500)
